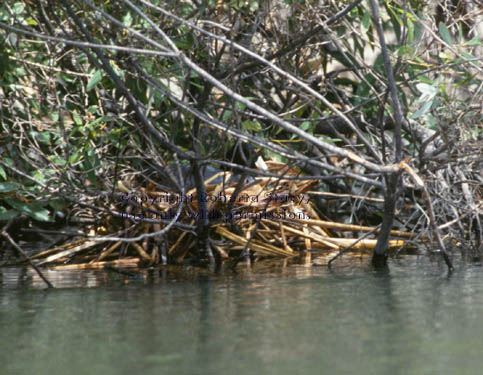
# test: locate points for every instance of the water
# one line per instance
(416, 319)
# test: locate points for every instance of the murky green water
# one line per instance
(416, 319)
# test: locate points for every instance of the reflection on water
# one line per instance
(414, 319)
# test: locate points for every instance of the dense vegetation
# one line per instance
(100, 97)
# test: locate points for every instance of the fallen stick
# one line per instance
(20, 250)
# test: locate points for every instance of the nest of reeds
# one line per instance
(270, 217)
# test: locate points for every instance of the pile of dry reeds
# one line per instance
(269, 217)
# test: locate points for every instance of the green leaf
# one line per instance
(254, 6)
(7, 187)
(8, 161)
(366, 21)
(74, 157)
(466, 81)
(425, 79)
(410, 26)
(306, 125)
(274, 155)
(54, 116)
(12, 39)
(251, 125)
(332, 140)
(445, 34)
(42, 137)
(32, 209)
(240, 106)
(57, 160)
(418, 31)
(2, 173)
(432, 122)
(405, 50)
(39, 175)
(18, 8)
(113, 136)
(127, 19)
(421, 111)
(476, 41)
(428, 91)
(94, 80)
(77, 119)
(6, 215)
(31, 21)
(185, 42)
(92, 125)
(468, 56)
(226, 115)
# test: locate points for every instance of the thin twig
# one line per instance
(5, 234)
(353, 244)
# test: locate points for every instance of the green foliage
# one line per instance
(69, 127)
(33, 209)
(445, 34)
(94, 80)
(7, 187)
